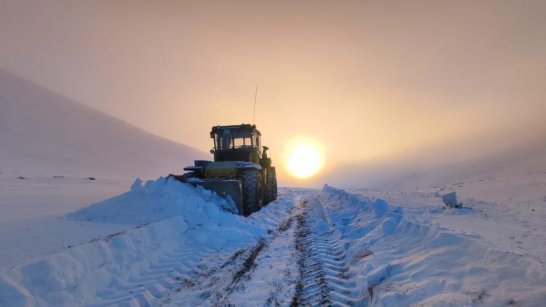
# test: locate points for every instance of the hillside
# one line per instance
(432, 167)
(45, 134)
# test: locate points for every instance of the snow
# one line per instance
(181, 246)
(32, 223)
(153, 201)
(508, 212)
(426, 263)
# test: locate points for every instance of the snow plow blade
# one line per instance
(224, 188)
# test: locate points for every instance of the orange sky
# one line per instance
(371, 80)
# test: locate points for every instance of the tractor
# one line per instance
(240, 170)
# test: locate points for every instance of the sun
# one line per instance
(304, 157)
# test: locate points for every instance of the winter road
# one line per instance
(308, 248)
(301, 262)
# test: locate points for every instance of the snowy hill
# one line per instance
(527, 159)
(45, 134)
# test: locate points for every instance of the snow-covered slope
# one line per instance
(429, 167)
(524, 160)
(45, 134)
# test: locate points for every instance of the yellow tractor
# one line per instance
(240, 170)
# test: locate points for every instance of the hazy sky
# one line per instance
(371, 80)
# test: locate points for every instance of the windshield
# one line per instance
(231, 138)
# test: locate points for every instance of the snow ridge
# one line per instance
(404, 262)
(323, 272)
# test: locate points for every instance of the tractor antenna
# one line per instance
(254, 113)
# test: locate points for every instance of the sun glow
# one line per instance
(303, 158)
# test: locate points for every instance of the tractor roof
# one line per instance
(242, 127)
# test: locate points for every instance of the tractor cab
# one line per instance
(236, 143)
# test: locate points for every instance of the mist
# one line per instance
(405, 86)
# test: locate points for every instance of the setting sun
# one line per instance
(303, 158)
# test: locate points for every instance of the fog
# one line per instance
(386, 87)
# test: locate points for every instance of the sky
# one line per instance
(372, 81)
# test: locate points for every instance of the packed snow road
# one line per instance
(300, 262)
(182, 247)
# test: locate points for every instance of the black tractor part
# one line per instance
(252, 186)
(271, 188)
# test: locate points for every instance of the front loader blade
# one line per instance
(223, 188)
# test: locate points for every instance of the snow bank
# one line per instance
(154, 201)
(404, 262)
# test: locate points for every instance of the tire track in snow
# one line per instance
(271, 282)
(301, 262)
(324, 278)
(228, 283)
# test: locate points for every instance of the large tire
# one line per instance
(274, 183)
(252, 191)
(271, 189)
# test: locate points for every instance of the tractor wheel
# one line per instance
(252, 191)
(274, 181)
(271, 189)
